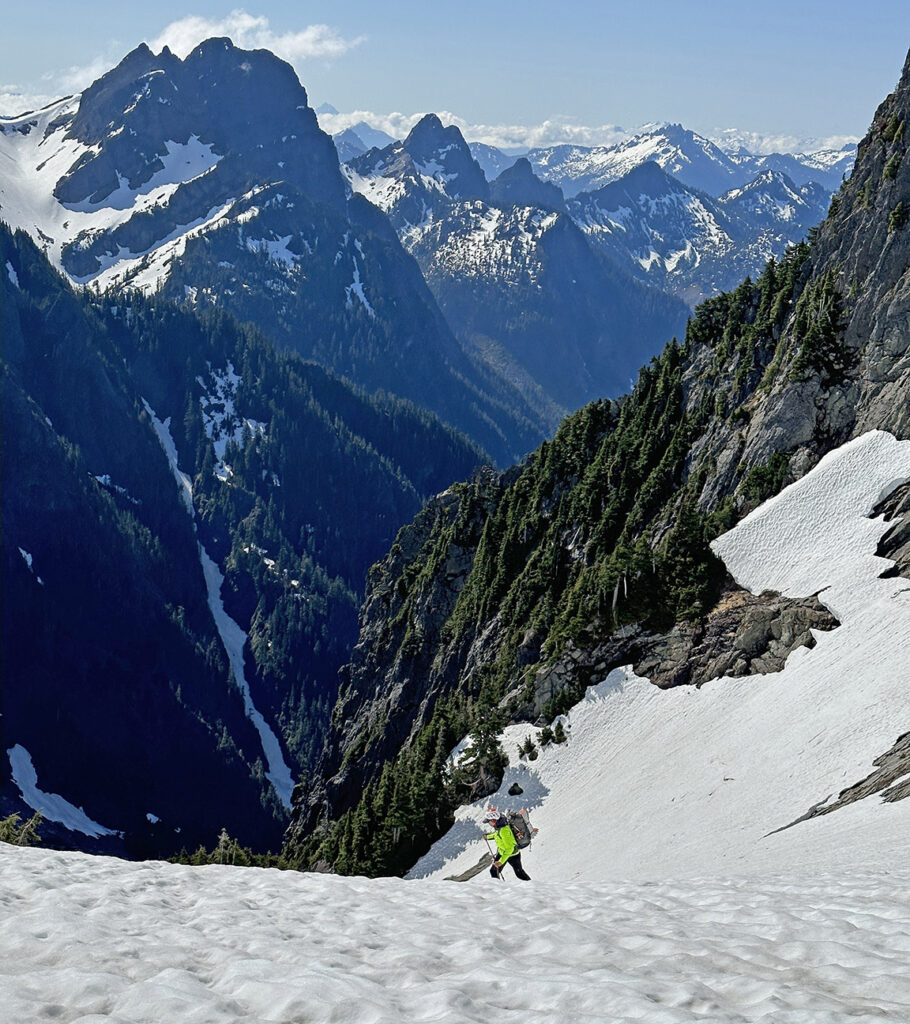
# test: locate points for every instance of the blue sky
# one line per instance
(798, 68)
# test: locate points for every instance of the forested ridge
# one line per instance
(299, 483)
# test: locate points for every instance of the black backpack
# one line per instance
(520, 824)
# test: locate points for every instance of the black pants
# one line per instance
(515, 861)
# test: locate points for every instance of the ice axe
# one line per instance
(493, 855)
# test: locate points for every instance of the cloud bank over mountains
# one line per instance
(326, 43)
(566, 131)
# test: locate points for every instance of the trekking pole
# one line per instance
(493, 855)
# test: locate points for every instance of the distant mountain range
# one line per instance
(695, 160)
(650, 224)
(514, 275)
(689, 243)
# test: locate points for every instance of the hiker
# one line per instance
(507, 848)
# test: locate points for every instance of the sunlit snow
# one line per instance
(687, 781)
(33, 162)
(658, 894)
(50, 805)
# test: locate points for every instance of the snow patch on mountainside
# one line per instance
(182, 162)
(356, 288)
(232, 636)
(684, 782)
(478, 240)
(382, 191)
(220, 418)
(146, 271)
(36, 153)
(50, 805)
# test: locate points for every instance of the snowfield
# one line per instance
(692, 782)
(661, 890)
(96, 939)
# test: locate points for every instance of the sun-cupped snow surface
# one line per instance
(91, 939)
(691, 782)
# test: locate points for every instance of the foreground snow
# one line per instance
(90, 939)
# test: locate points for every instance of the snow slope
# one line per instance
(94, 939)
(36, 152)
(673, 791)
(686, 782)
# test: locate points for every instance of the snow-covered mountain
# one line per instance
(511, 271)
(120, 190)
(349, 144)
(673, 878)
(827, 168)
(688, 243)
(733, 768)
(693, 159)
(492, 160)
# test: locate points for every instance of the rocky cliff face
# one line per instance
(524, 585)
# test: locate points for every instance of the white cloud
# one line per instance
(762, 143)
(79, 76)
(250, 31)
(552, 132)
(247, 31)
(15, 100)
(559, 131)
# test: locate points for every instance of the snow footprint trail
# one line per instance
(87, 938)
(232, 636)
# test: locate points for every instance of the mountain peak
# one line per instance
(650, 177)
(518, 185)
(443, 153)
(430, 133)
(215, 44)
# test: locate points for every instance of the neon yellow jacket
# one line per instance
(505, 842)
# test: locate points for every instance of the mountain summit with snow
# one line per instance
(512, 272)
(208, 181)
